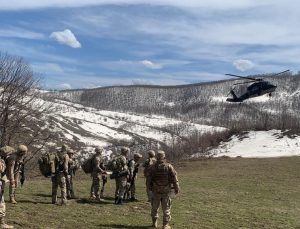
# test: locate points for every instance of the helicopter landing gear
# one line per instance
(270, 94)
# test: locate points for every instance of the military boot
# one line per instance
(12, 200)
(101, 194)
(166, 226)
(154, 223)
(120, 201)
(4, 225)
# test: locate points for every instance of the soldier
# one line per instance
(133, 167)
(97, 171)
(59, 178)
(121, 170)
(14, 165)
(71, 172)
(150, 161)
(2, 203)
(162, 178)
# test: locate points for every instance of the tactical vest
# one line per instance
(160, 178)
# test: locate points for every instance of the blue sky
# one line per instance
(84, 44)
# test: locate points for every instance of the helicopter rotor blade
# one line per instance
(276, 74)
(243, 77)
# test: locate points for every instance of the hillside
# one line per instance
(202, 103)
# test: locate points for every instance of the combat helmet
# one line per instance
(64, 148)
(22, 149)
(151, 153)
(160, 155)
(125, 150)
(98, 149)
(137, 156)
(70, 151)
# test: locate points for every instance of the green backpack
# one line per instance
(48, 164)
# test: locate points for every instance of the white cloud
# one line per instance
(64, 86)
(150, 64)
(243, 65)
(66, 37)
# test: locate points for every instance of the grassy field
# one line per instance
(215, 193)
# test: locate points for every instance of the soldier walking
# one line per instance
(162, 178)
(97, 171)
(2, 202)
(133, 167)
(59, 178)
(14, 165)
(150, 161)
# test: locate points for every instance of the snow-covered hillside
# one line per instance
(261, 144)
(88, 126)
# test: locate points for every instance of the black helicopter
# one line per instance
(258, 88)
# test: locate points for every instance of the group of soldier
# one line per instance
(160, 176)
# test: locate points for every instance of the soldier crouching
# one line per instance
(162, 177)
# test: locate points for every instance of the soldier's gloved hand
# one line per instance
(176, 191)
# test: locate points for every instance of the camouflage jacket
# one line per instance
(162, 177)
(98, 164)
(14, 162)
(63, 163)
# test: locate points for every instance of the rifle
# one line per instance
(22, 173)
(2, 187)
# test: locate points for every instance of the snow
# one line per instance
(259, 144)
(102, 126)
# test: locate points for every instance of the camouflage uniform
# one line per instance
(69, 179)
(97, 172)
(121, 181)
(59, 178)
(2, 203)
(161, 178)
(133, 166)
(14, 163)
(150, 161)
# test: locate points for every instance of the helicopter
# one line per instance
(257, 88)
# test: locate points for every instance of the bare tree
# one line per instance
(20, 106)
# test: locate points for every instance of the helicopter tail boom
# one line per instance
(234, 97)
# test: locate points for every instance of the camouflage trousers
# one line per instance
(59, 180)
(70, 188)
(2, 207)
(121, 183)
(149, 192)
(13, 184)
(96, 177)
(165, 201)
(130, 189)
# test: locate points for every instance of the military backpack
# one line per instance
(5, 151)
(48, 164)
(87, 165)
